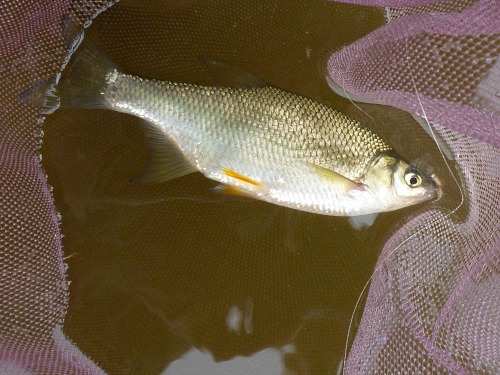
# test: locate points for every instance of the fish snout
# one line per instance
(438, 186)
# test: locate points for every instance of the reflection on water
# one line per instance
(267, 361)
(174, 278)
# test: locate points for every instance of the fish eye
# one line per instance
(413, 180)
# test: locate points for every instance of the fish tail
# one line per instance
(81, 85)
(83, 82)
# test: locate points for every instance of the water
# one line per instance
(175, 279)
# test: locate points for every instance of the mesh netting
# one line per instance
(33, 286)
(433, 306)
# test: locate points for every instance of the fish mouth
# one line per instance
(438, 186)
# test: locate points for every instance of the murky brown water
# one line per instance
(160, 270)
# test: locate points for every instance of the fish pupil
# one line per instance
(413, 180)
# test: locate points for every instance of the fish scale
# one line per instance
(304, 129)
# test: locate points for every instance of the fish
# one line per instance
(255, 139)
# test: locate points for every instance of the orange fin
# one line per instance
(233, 191)
(233, 174)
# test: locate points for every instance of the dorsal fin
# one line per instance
(345, 94)
(226, 74)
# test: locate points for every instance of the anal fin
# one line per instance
(165, 160)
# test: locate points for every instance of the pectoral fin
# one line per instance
(343, 183)
(165, 161)
(363, 221)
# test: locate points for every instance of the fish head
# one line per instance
(397, 184)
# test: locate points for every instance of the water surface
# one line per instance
(174, 278)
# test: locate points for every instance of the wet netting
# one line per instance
(433, 304)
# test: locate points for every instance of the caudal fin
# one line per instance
(81, 84)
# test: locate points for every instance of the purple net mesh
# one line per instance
(452, 58)
(33, 285)
(434, 303)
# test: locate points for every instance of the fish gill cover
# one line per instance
(433, 304)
